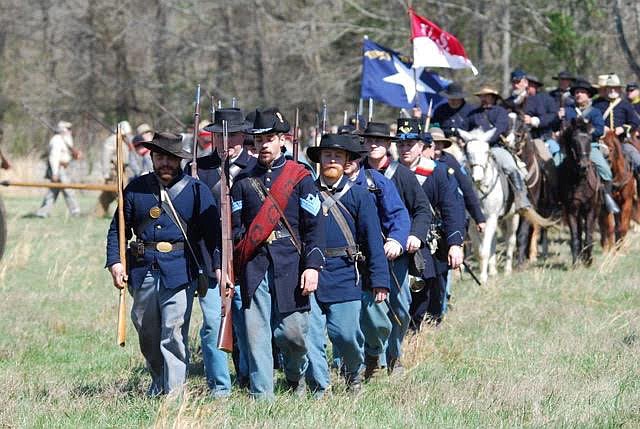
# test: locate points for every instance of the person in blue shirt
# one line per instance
(453, 114)
(354, 251)
(162, 266)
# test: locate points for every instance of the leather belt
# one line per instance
(164, 246)
(332, 252)
(276, 235)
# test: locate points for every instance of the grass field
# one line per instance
(547, 347)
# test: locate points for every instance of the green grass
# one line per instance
(546, 347)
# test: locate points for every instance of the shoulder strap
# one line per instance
(391, 170)
(609, 111)
(371, 184)
(175, 217)
(339, 217)
(176, 189)
(328, 202)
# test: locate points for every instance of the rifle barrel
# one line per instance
(59, 185)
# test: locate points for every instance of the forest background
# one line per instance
(62, 58)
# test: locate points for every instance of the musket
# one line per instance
(196, 125)
(213, 116)
(294, 142)
(427, 121)
(171, 115)
(370, 109)
(122, 305)
(38, 118)
(100, 121)
(225, 336)
(345, 118)
(234, 102)
(59, 185)
(324, 117)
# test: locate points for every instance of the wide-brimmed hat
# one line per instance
(235, 121)
(454, 90)
(346, 129)
(632, 86)
(534, 80)
(602, 80)
(612, 81)
(268, 121)
(144, 128)
(168, 143)
(438, 136)
(409, 129)
(564, 75)
(487, 90)
(378, 129)
(333, 141)
(581, 83)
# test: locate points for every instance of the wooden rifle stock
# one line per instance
(225, 336)
(60, 185)
(294, 142)
(122, 304)
(196, 125)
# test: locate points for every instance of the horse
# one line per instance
(495, 200)
(579, 189)
(541, 181)
(613, 229)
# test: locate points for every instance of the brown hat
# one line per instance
(438, 137)
(488, 90)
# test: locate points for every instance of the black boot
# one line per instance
(520, 191)
(609, 202)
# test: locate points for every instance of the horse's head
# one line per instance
(478, 158)
(580, 142)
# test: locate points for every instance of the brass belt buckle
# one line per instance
(164, 246)
(271, 238)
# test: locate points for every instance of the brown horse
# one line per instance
(613, 229)
(579, 189)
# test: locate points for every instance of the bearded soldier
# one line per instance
(277, 223)
(354, 251)
(169, 213)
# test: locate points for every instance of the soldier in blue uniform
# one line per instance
(354, 250)
(581, 93)
(453, 114)
(488, 116)
(633, 95)
(377, 140)
(447, 207)
(163, 265)
(562, 94)
(216, 368)
(278, 226)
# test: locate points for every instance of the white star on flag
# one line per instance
(404, 77)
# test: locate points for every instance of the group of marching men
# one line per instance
(360, 255)
(357, 249)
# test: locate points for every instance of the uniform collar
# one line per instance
(277, 163)
(337, 187)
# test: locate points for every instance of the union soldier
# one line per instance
(140, 157)
(633, 95)
(489, 116)
(160, 208)
(562, 94)
(353, 243)
(209, 169)
(276, 218)
(109, 166)
(447, 206)
(377, 140)
(581, 93)
(61, 153)
(453, 114)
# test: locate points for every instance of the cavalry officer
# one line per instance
(581, 93)
(215, 361)
(277, 222)
(162, 264)
(562, 94)
(377, 140)
(453, 114)
(354, 250)
(439, 184)
(633, 95)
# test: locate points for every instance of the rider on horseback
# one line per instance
(488, 116)
(582, 91)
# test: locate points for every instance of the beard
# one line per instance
(167, 173)
(332, 171)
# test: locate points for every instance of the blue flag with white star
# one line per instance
(389, 78)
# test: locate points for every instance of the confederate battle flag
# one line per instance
(433, 47)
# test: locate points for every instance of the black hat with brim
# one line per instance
(581, 83)
(378, 130)
(533, 79)
(269, 121)
(454, 90)
(564, 75)
(235, 121)
(334, 141)
(409, 129)
(167, 143)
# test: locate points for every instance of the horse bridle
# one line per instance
(490, 161)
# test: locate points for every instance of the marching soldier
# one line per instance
(277, 222)
(439, 184)
(488, 116)
(353, 243)
(377, 140)
(453, 114)
(61, 153)
(109, 166)
(169, 213)
(209, 170)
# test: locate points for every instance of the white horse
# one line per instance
(493, 194)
